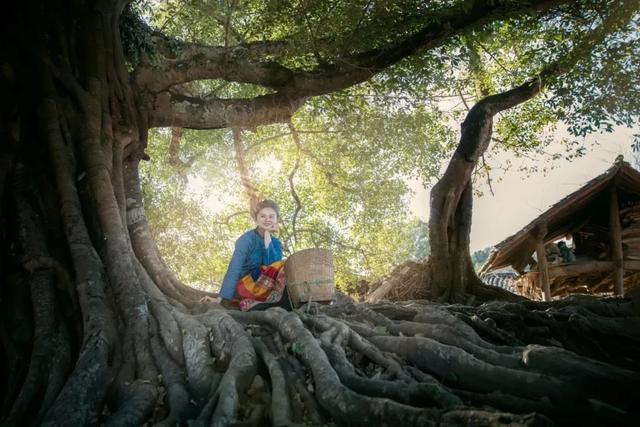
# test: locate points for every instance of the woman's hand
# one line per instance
(267, 234)
(267, 238)
(207, 299)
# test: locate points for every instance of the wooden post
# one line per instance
(616, 242)
(543, 270)
(539, 233)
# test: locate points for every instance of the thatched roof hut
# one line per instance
(602, 219)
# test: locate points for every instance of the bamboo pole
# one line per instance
(616, 242)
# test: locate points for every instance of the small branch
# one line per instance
(212, 94)
(516, 147)
(329, 176)
(484, 164)
(283, 134)
(296, 198)
(334, 241)
(285, 237)
(228, 218)
(496, 60)
(461, 95)
(245, 176)
(228, 28)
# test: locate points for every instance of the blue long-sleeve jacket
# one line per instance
(247, 257)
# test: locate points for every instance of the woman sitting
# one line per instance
(255, 277)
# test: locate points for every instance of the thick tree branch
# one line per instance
(352, 70)
(184, 62)
(176, 110)
(242, 63)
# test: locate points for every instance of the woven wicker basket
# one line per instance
(310, 276)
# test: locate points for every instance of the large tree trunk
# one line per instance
(65, 219)
(451, 275)
(96, 330)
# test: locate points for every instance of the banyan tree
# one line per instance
(97, 330)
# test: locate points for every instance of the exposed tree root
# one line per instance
(413, 363)
(341, 402)
(280, 405)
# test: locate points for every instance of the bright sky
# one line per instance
(518, 199)
(216, 201)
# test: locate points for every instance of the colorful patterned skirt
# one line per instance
(268, 288)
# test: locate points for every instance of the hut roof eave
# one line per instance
(620, 174)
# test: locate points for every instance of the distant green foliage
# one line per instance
(603, 91)
(421, 248)
(185, 232)
(351, 182)
(480, 257)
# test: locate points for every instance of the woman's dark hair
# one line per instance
(266, 203)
